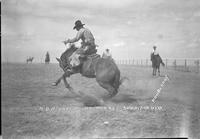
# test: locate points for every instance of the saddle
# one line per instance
(80, 55)
(88, 65)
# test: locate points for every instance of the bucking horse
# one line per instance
(156, 61)
(105, 71)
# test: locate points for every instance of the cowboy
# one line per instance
(107, 54)
(154, 52)
(88, 46)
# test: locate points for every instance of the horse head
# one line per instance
(64, 59)
(60, 62)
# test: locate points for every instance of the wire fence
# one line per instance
(184, 65)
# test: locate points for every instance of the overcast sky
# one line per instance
(129, 28)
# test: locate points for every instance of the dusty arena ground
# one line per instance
(32, 108)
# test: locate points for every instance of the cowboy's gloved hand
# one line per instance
(66, 41)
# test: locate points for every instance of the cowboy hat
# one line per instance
(78, 24)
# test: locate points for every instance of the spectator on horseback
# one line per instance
(156, 60)
(88, 46)
(107, 54)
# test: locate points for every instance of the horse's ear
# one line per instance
(58, 59)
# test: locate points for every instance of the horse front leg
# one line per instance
(67, 85)
(158, 71)
(57, 81)
(65, 75)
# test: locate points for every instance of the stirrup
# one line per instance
(66, 68)
(69, 70)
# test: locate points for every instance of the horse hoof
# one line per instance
(54, 84)
(68, 87)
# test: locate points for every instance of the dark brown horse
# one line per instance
(105, 71)
(156, 61)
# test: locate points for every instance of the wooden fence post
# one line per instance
(197, 63)
(147, 62)
(186, 65)
(174, 64)
(197, 66)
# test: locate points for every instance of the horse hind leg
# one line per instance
(159, 71)
(65, 82)
(112, 91)
(154, 71)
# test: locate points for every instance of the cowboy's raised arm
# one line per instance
(77, 38)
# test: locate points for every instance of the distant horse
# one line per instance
(156, 61)
(105, 71)
(30, 59)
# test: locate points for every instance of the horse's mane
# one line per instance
(65, 56)
(68, 52)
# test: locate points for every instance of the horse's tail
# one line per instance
(118, 81)
(163, 64)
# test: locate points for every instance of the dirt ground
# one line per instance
(32, 108)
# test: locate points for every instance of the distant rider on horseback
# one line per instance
(156, 61)
(88, 46)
